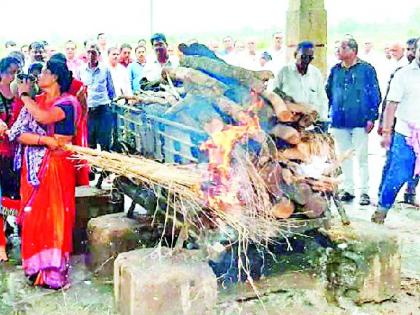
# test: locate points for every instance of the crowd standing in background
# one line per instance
(47, 98)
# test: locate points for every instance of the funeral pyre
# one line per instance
(264, 171)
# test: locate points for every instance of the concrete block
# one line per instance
(365, 266)
(90, 203)
(112, 234)
(154, 281)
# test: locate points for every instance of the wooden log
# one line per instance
(283, 209)
(287, 176)
(253, 79)
(271, 174)
(286, 133)
(279, 106)
(307, 120)
(301, 153)
(315, 206)
(300, 108)
(196, 80)
(300, 193)
(230, 107)
(323, 184)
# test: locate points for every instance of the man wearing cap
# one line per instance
(153, 70)
(100, 91)
(304, 82)
(354, 97)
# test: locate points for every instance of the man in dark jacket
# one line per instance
(354, 98)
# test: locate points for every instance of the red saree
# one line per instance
(48, 210)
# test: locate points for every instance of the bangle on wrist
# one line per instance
(387, 131)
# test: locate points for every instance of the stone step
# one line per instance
(112, 234)
(159, 281)
(91, 203)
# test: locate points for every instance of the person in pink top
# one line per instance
(73, 63)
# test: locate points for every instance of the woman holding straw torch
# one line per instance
(48, 176)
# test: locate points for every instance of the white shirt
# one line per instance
(278, 58)
(246, 61)
(405, 90)
(121, 79)
(153, 70)
(388, 68)
(308, 88)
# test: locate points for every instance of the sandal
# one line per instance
(378, 217)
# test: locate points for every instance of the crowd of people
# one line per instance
(49, 99)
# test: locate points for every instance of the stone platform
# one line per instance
(91, 203)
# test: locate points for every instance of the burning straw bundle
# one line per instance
(180, 179)
(184, 184)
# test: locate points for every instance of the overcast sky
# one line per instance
(26, 20)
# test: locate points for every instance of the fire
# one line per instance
(224, 183)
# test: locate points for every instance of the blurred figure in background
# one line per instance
(136, 68)
(10, 46)
(125, 54)
(119, 74)
(277, 52)
(228, 53)
(73, 63)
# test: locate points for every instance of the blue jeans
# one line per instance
(398, 170)
(100, 126)
(411, 183)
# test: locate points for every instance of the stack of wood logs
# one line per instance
(291, 190)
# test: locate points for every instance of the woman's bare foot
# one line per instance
(3, 255)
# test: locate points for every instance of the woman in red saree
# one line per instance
(48, 175)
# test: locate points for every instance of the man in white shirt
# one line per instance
(396, 61)
(277, 52)
(402, 142)
(228, 54)
(303, 81)
(119, 74)
(252, 57)
(153, 70)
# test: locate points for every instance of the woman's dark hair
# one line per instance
(59, 57)
(35, 68)
(19, 56)
(59, 68)
(6, 62)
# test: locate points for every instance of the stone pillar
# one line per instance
(307, 20)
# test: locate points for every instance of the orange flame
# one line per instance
(219, 148)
